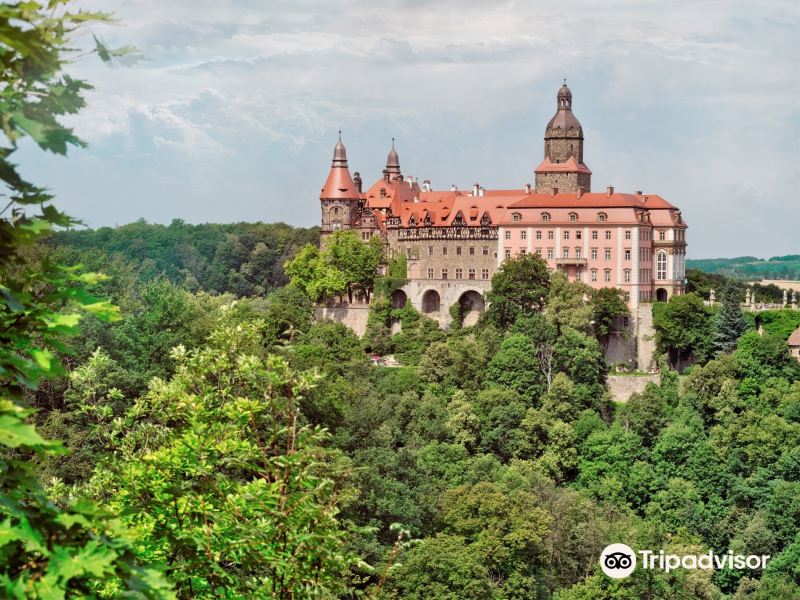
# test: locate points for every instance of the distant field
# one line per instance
(783, 268)
(783, 283)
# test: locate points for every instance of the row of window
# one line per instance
(573, 217)
(578, 253)
(472, 250)
(460, 274)
(523, 234)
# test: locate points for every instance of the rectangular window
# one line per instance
(430, 273)
(471, 273)
(523, 235)
(430, 250)
(627, 254)
(484, 273)
(444, 273)
(486, 250)
(549, 254)
(566, 235)
(538, 251)
(550, 235)
(459, 273)
(594, 253)
(607, 254)
(607, 274)
(444, 250)
(522, 251)
(627, 234)
(508, 234)
(577, 252)
(578, 235)
(661, 265)
(565, 252)
(594, 234)
(594, 274)
(458, 250)
(508, 253)
(472, 250)
(538, 234)
(626, 274)
(608, 234)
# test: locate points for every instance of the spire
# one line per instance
(339, 153)
(339, 183)
(564, 118)
(393, 162)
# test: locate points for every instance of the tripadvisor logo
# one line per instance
(618, 561)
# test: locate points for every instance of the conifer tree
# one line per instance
(730, 324)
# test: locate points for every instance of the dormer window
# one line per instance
(602, 217)
(573, 216)
(545, 217)
(516, 217)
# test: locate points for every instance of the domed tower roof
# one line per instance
(339, 183)
(564, 119)
(393, 162)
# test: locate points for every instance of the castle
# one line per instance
(454, 240)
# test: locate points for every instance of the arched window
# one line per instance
(516, 217)
(661, 265)
(602, 217)
(545, 217)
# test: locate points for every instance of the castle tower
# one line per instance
(392, 170)
(339, 197)
(563, 166)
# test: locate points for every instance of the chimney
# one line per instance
(357, 181)
(610, 190)
(638, 192)
(453, 188)
(580, 191)
(475, 189)
(480, 192)
(386, 175)
(426, 185)
(527, 188)
(554, 191)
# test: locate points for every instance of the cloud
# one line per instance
(233, 114)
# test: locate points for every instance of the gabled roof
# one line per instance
(794, 339)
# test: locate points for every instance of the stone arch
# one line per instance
(661, 295)
(431, 301)
(399, 298)
(472, 305)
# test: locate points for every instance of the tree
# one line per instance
(683, 328)
(217, 475)
(608, 305)
(568, 303)
(346, 252)
(730, 323)
(46, 550)
(520, 286)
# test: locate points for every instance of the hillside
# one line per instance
(750, 267)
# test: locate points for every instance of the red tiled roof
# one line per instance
(591, 200)
(339, 184)
(571, 166)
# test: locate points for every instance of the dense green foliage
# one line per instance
(244, 259)
(749, 267)
(47, 550)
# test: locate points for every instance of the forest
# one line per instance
(750, 268)
(176, 423)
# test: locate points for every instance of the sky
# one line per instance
(233, 112)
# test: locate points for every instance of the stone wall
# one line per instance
(622, 387)
(645, 338)
(353, 316)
